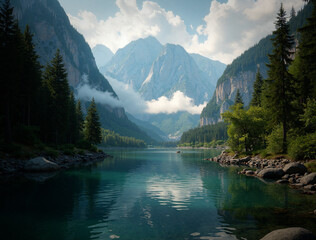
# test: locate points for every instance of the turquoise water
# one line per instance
(150, 194)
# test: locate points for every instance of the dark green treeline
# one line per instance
(37, 104)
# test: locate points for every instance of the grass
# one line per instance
(311, 166)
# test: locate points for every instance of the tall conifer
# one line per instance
(257, 90)
(92, 129)
(238, 98)
(278, 88)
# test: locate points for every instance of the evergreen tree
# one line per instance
(80, 119)
(92, 129)
(257, 90)
(7, 35)
(306, 87)
(31, 80)
(72, 128)
(238, 99)
(278, 88)
(56, 83)
(293, 13)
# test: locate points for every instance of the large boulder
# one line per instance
(272, 173)
(309, 179)
(295, 167)
(40, 164)
(294, 233)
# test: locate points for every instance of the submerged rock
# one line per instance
(295, 167)
(40, 164)
(294, 233)
(272, 173)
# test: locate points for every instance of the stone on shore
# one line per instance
(294, 233)
(271, 173)
(40, 164)
(295, 167)
(308, 179)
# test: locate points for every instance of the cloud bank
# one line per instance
(229, 29)
(135, 104)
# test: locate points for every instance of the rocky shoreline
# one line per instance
(42, 164)
(282, 170)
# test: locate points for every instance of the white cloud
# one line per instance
(135, 104)
(178, 102)
(130, 24)
(233, 27)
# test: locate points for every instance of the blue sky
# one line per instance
(218, 29)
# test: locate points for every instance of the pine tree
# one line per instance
(257, 90)
(72, 128)
(293, 13)
(306, 87)
(7, 34)
(278, 88)
(31, 80)
(238, 99)
(92, 129)
(56, 83)
(80, 119)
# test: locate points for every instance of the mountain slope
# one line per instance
(214, 69)
(175, 70)
(132, 63)
(240, 74)
(52, 30)
(102, 55)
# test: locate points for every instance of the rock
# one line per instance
(272, 173)
(249, 172)
(310, 187)
(282, 181)
(315, 211)
(40, 164)
(286, 176)
(294, 233)
(309, 179)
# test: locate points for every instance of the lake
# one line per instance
(150, 194)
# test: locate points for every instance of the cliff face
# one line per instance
(242, 72)
(52, 30)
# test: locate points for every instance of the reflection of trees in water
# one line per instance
(254, 208)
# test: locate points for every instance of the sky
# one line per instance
(219, 29)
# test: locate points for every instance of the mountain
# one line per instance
(214, 69)
(52, 30)
(175, 70)
(102, 55)
(132, 63)
(151, 130)
(240, 74)
(174, 124)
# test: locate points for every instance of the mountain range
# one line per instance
(155, 70)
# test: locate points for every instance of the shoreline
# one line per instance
(282, 170)
(48, 164)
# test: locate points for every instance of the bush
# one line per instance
(303, 147)
(83, 144)
(311, 166)
(274, 141)
(51, 152)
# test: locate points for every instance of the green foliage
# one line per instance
(112, 139)
(278, 90)
(238, 99)
(257, 90)
(274, 141)
(303, 147)
(246, 128)
(311, 166)
(205, 134)
(92, 128)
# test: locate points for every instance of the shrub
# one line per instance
(274, 141)
(311, 166)
(303, 147)
(51, 152)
